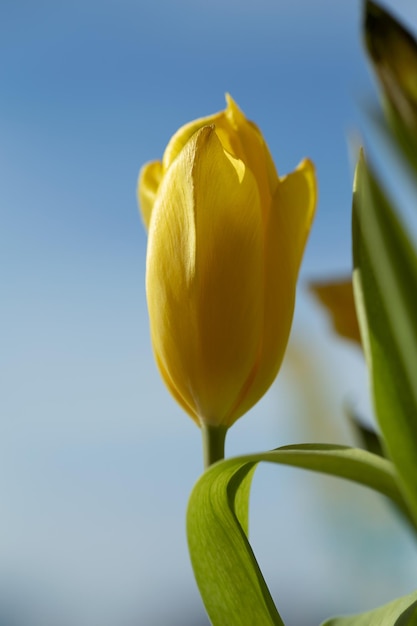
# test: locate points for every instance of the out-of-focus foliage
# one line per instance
(385, 280)
(401, 612)
(392, 50)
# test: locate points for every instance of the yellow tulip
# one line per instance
(225, 242)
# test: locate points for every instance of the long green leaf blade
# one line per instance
(230, 581)
(385, 283)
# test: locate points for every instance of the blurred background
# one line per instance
(96, 459)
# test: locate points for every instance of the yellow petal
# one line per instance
(225, 129)
(337, 297)
(174, 391)
(296, 200)
(149, 180)
(240, 137)
(204, 276)
(286, 231)
(253, 150)
(183, 134)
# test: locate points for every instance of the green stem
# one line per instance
(213, 443)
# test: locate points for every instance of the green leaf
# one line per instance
(230, 581)
(385, 284)
(401, 612)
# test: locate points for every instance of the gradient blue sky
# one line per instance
(96, 460)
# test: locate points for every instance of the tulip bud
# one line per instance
(225, 242)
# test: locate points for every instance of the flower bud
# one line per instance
(225, 242)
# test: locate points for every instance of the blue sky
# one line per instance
(96, 459)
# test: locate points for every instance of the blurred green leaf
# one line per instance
(385, 283)
(393, 53)
(230, 581)
(367, 436)
(401, 612)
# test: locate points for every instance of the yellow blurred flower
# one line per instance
(226, 238)
(337, 298)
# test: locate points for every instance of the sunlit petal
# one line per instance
(295, 200)
(148, 182)
(204, 280)
(287, 228)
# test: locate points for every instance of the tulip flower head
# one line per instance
(225, 240)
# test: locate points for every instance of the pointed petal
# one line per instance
(148, 182)
(295, 200)
(253, 151)
(239, 136)
(286, 231)
(183, 134)
(204, 275)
